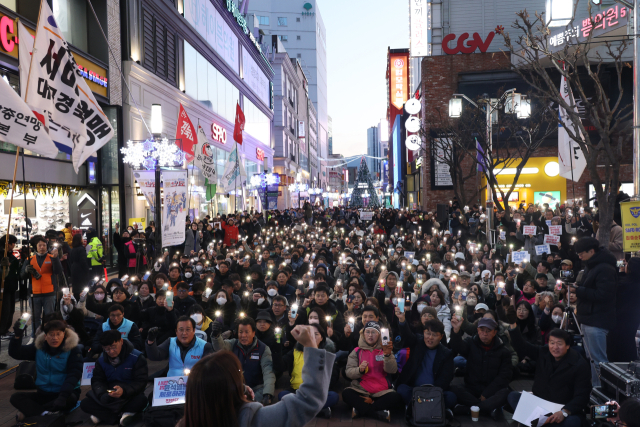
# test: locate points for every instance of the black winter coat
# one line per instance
(442, 365)
(100, 384)
(80, 268)
(569, 384)
(159, 317)
(269, 339)
(488, 371)
(597, 291)
(621, 341)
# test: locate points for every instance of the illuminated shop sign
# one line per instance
(218, 133)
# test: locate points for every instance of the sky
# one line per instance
(358, 34)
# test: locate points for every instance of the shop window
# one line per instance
(263, 20)
(282, 21)
(257, 124)
(206, 84)
(109, 153)
(25, 8)
(284, 38)
(159, 48)
(79, 27)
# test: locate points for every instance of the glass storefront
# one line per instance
(110, 216)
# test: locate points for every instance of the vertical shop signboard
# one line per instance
(630, 226)
(174, 209)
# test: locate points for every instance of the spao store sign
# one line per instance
(94, 74)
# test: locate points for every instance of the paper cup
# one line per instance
(475, 413)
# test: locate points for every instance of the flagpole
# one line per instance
(235, 183)
(26, 92)
(6, 240)
(573, 183)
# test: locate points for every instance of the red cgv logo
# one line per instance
(470, 46)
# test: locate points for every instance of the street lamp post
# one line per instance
(516, 104)
(156, 130)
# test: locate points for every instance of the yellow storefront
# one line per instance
(539, 182)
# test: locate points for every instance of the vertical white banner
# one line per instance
(25, 48)
(419, 28)
(571, 158)
(174, 211)
(147, 182)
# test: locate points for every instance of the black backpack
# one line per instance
(50, 420)
(26, 374)
(163, 416)
(428, 408)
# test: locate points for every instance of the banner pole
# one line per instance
(6, 240)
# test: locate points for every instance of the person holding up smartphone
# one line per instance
(368, 365)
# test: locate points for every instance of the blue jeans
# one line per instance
(459, 362)
(595, 345)
(406, 392)
(570, 421)
(332, 398)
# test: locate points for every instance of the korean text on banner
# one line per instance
(366, 216)
(551, 239)
(234, 173)
(147, 182)
(543, 249)
(169, 390)
(571, 158)
(529, 230)
(556, 230)
(410, 255)
(174, 210)
(630, 226)
(87, 373)
(520, 257)
(55, 86)
(185, 134)
(20, 126)
(204, 156)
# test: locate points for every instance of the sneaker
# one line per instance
(354, 413)
(95, 419)
(461, 410)
(325, 413)
(127, 418)
(8, 336)
(497, 414)
(384, 415)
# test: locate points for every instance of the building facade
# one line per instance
(198, 54)
(373, 150)
(300, 27)
(92, 198)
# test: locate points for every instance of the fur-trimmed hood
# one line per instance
(71, 340)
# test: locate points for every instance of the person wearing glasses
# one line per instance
(116, 321)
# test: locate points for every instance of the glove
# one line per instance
(266, 399)
(59, 404)
(511, 315)
(34, 272)
(16, 329)
(152, 334)
(216, 329)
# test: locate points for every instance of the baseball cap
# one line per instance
(567, 262)
(487, 322)
(482, 306)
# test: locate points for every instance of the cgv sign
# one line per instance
(475, 43)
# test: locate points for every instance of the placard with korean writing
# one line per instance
(410, 255)
(169, 390)
(630, 226)
(87, 373)
(366, 216)
(503, 235)
(543, 249)
(551, 239)
(529, 230)
(556, 230)
(520, 257)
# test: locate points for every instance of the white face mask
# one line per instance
(188, 275)
(99, 297)
(260, 301)
(472, 301)
(557, 318)
(197, 317)
(272, 292)
(287, 261)
(221, 301)
(198, 267)
(421, 307)
(314, 321)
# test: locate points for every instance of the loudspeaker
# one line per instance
(442, 214)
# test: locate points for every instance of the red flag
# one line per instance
(186, 134)
(239, 127)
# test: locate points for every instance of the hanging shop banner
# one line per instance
(174, 211)
(75, 118)
(419, 11)
(630, 226)
(147, 182)
(169, 390)
(204, 156)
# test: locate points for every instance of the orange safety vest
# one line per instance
(44, 285)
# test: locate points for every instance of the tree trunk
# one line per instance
(605, 212)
